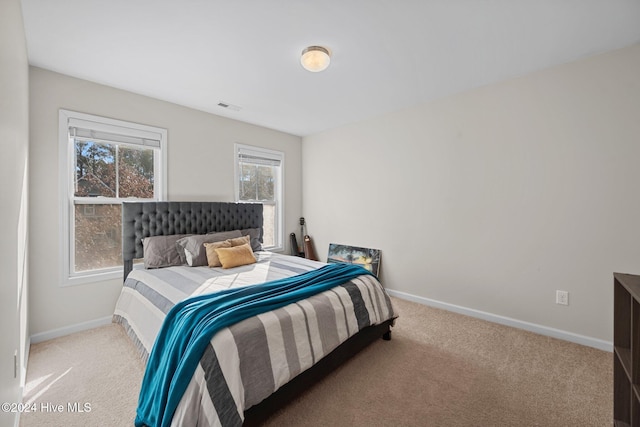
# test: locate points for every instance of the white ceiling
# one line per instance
(386, 54)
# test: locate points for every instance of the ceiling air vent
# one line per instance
(229, 106)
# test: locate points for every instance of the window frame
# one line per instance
(278, 190)
(68, 200)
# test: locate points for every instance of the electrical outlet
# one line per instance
(562, 297)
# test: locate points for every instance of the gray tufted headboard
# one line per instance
(145, 219)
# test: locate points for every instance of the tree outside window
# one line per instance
(106, 171)
(259, 179)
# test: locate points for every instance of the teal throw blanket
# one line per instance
(190, 325)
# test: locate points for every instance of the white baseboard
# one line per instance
(60, 332)
(25, 364)
(515, 323)
(23, 376)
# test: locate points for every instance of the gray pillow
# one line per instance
(160, 251)
(254, 233)
(193, 250)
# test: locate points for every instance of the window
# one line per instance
(103, 162)
(259, 178)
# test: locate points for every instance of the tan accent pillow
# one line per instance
(212, 256)
(240, 240)
(236, 256)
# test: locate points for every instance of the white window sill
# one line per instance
(86, 279)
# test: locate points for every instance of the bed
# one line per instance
(252, 368)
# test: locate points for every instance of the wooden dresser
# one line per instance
(626, 350)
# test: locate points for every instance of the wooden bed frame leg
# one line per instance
(387, 336)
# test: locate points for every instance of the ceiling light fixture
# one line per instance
(315, 58)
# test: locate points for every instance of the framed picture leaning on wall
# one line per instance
(368, 258)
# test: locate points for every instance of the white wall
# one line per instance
(494, 198)
(14, 156)
(200, 167)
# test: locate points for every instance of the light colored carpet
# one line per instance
(440, 369)
(99, 367)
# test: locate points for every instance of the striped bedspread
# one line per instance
(247, 362)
